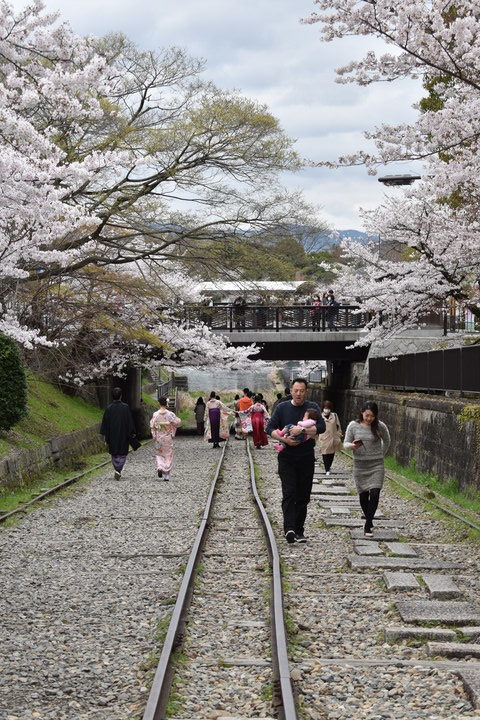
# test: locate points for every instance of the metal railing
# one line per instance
(276, 318)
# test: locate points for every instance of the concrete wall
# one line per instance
(426, 429)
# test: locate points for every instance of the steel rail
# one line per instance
(158, 698)
(282, 668)
(445, 510)
(51, 491)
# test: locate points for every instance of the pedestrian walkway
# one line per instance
(386, 627)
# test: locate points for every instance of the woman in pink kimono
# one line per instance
(163, 425)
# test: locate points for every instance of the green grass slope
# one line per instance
(50, 413)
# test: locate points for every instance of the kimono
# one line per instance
(257, 418)
(216, 421)
(163, 425)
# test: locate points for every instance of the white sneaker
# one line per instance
(166, 477)
(328, 472)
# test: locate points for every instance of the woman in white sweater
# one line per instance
(369, 439)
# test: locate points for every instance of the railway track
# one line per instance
(228, 620)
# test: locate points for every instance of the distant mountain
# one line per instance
(322, 241)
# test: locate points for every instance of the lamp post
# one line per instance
(393, 180)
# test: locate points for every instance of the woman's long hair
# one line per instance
(213, 395)
(199, 401)
(373, 407)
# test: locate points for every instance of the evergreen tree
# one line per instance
(13, 384)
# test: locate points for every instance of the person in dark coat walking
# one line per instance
(296, 462)
(118, 430)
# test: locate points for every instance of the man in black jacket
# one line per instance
(118, 430)
(296, 462)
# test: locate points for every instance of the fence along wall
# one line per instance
(454, 369)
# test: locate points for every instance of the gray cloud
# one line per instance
(260, 48)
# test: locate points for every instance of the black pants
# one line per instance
(369, 503)
(296, 475)
(327, 461)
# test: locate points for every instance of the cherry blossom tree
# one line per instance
(113, 158)
(433, 225)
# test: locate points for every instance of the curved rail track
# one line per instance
(283, 697)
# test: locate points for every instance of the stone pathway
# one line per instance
(386, 627)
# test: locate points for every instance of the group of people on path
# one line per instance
(294, 425)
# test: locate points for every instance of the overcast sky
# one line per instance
(260, 48)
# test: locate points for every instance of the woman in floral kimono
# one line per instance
(216, 421)
(259, 418)
(163, 425)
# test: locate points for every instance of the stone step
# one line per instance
(394, 633)
(442, 587)
(367, 548)
(472, 633)
(399, 563)
(401, 549)
(358, 522)
(338, 510)
(396, 581)
(453, 650)
(380, 535)
(450, 613)
(330, 490)
(471, 684)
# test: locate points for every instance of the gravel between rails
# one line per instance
(85, 580)
(340, 614)
(226, 669)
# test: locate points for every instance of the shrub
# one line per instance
(13, 384)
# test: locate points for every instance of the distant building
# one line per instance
(223, 291)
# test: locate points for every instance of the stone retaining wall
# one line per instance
(432, 431)
(59, 451)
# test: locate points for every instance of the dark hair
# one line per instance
(373, 407)
(162, 401)
(299, 380)
(279, 396)
(237, 397)
(258, 398)
(217, 397)
(327, 404)
(117, 393)
(212, 394)
(246, 391)
(200, 401)
(287, 391)
(260, 395)
(313, 414)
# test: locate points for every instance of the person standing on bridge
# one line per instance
(164, 424)
(369, 439)
(296, 462)
(118, 430)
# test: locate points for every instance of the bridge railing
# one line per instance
(275, 318)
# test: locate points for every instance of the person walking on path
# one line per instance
(118, 429)
(279, 399)
(296, 462)
(258, 416)
(330, 441)
(164, 424)
(200, 415)
(216, 421)
(369, 439)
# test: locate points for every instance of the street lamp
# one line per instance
(398, 179)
